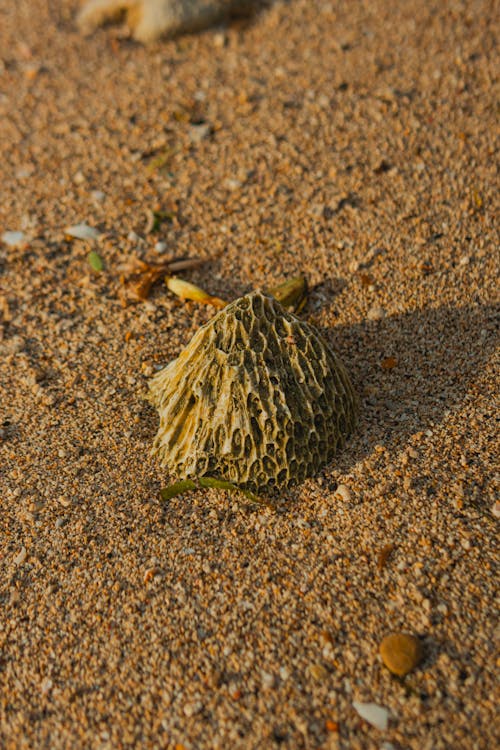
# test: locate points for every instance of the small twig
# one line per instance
(184, 264)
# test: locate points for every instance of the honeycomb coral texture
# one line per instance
(256, 398)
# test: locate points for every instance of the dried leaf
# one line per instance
(185, 290)
(138, 276)
(291, 294)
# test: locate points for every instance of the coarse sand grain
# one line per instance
(353, 142)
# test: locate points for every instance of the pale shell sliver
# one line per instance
(256, 398)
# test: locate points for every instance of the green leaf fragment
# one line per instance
(185, 485)
(95, 261)
(167, 493)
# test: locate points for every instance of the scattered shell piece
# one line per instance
(495, 509)
(256, 398)
(401, 653)
(375, 313)
(377, 716)
(4, 308)
(344, 492)
(25, 171)
(21, 556)
(46, 685)
(82, 232)
(232, 184)
(151, 573)
(198, 132)
(13, 239)
(134, 237)
(318, 672)
(268, 679)
(151, 221)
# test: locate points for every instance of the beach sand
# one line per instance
(353, 143)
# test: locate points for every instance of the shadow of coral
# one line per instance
(437, 355)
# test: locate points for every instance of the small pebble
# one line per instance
(377, 716)
(495, 509)
(401, 653)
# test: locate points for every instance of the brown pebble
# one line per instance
(401, 653)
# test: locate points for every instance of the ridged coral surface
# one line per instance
(256, 398)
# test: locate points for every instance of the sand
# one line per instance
(351, 142)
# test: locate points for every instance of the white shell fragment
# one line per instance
(13, 239)
(377, 716)
(256, 398)
(21, 556)
(82, 232)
